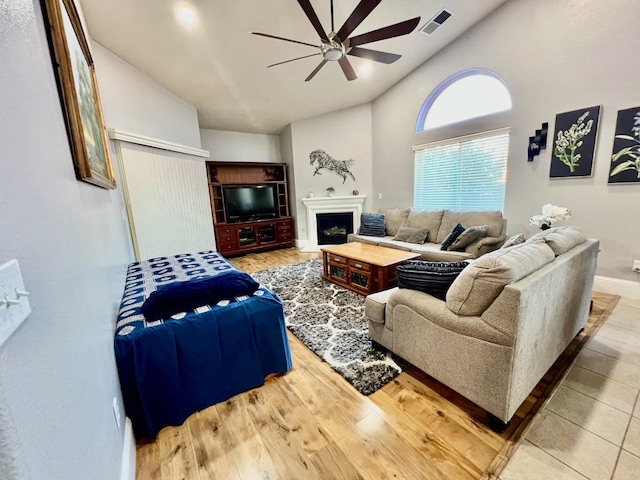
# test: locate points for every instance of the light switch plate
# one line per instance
(11, 316)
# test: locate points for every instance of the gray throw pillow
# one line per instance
(515, 240)
(411, 235)
(469, 236)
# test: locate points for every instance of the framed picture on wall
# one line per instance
(625, 160)
(75, 73)
(574, 143)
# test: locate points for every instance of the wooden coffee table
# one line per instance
(361, 267)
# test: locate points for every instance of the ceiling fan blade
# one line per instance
(375, 55)
(285, 39)
(316, 70)
(347, 69)
(364, 8)
(390, 31)
(313, 18)
(293, 59)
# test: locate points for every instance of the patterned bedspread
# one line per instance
(174, 367)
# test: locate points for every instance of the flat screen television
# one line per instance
(249, 202)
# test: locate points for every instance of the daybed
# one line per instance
(175, 366)
(439, 224)
(506, 319)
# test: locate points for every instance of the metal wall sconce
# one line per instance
(537, 143)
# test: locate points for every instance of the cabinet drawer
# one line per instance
(360, 265)
(284, 224)
(285, 237)
(226, 248)
(226, 239)
(226, 230)
(336, 259)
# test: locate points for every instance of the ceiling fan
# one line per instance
(335, 46)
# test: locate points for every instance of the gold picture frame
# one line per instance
(80, 97)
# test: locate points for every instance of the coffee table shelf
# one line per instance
(361, 267)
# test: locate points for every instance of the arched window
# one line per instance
(471, 93)
(463, 173)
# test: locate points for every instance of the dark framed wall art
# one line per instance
(625, 159)
(574, 143)
(74, 68)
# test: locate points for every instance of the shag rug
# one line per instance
(330, 321)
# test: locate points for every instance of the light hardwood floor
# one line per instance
(311, 424)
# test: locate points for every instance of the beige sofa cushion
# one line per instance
(427, 219)
(560, 239)
(483, 280)
(491, 218)
(394, 218)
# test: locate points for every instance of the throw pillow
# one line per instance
(412, 235)
(455, 233)
(433, 278)
(372, 224)
(179, 297)
(469, 236)
(515, 240)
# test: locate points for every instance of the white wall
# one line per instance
(343, 134)
(286, 155)
(57, 374)
(240, 147)
(134, 103)
(555, 57)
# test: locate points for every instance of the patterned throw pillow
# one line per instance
(412, 235)
(372, 224)
(470, 235)
(455, 233)
(515, 240)
(433, 278)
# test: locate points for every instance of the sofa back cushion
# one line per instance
(560, 239)
(427, 219)
(394, 218)
(481, 282)
(491, 218)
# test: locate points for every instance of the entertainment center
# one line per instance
(249, 206)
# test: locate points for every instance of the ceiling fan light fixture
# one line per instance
(332, 51)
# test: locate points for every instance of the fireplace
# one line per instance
(320, 205)
(333, 228)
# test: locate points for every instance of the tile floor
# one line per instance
(590, 429)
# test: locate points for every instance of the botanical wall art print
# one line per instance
(79, 91)
(574, 143)
(625, 160)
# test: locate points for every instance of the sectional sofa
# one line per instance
(439, 224)
(507, 317)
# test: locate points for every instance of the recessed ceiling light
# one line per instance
(186, 15)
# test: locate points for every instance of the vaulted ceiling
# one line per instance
(218, 66)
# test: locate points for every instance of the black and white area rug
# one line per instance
(330, 321)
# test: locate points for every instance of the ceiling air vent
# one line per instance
(435, 22)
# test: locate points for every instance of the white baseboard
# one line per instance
(616, 286)
(128, 471)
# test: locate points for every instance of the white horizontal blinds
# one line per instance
(462, 174)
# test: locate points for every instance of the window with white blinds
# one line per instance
(465, 173)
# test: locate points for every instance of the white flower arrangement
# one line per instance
(550, 215)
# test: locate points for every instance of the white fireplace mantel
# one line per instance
(316, 205)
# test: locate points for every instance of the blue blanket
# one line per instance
(173, 367)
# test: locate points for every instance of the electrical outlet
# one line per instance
(636, 266)
(379, 196)
(116, 411)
